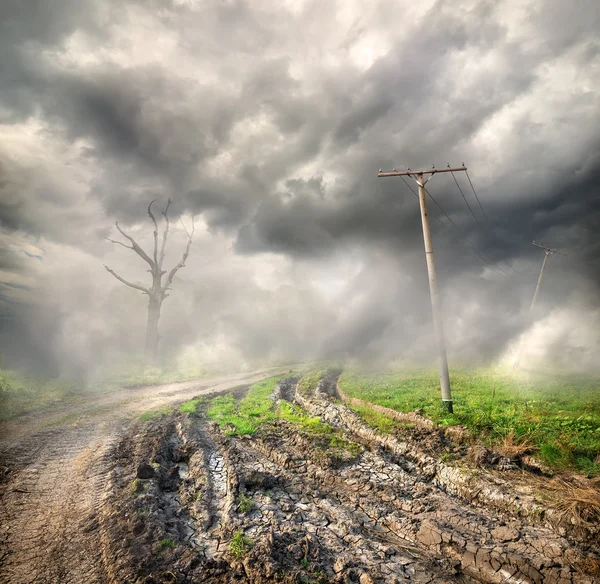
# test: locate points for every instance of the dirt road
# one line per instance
(54, 468)
(101, 499)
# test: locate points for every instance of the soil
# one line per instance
(176, 500)
(54, 472)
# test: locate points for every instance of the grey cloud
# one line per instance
(238, 125)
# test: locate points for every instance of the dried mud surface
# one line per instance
(177, 501)
(54, 477)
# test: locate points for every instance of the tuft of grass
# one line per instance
(558, 418)
(243, 417)
(165, 543)
(310, 379)
(137, 486)
(240, 545)
(580, 503)
(382, 423)
(191, 406)
(296, 415)
(245, 503)
(514, 447)
(154, 414)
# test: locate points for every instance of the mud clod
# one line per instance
(145, 471)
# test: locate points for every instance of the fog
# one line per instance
(268, 122)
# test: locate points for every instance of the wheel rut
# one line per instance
(54, 481)
(293, 505)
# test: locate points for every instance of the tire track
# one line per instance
(54, 480)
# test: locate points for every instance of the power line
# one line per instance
(485, 263)
(444, 212)
(465, 200)
(510, 266)
(417, 195)
(475, 193)
(488, 263)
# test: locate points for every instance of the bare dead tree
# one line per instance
(157, 292)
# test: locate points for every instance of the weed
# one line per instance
(382, 423)
(243, 417)
(154, 414)
(245, 503)
(166, 543)
(137, 486)
(514, 447)
(21, 392)
(190, 407)
(304, 563)
(310, 380)
(239, 545)
(581, 503)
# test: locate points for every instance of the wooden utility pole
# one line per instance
(433, 287)
(548, 252)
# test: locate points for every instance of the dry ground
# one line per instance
(177, 500)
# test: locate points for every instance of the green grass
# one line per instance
(137, 485)
(384, 424)
(141, 375)
(239, 545)
(559, 417)
(165, 543)
(311, 378)
(157, 413)
(246, 415)
(191, 406)
(245, 503)
(21, 392)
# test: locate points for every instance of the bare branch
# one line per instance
(136, 286)
(164, 241)
(136, 248)
(181, 264)
(155, 232)
(118, 242)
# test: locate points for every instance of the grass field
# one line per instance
(21, 393)
(559, 418)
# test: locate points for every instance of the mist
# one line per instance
(268, 122)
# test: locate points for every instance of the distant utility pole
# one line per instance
(549, 251)
(433, 288)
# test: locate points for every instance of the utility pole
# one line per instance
(548, 252)
(433, 288)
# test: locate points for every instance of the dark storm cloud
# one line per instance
(271, 123)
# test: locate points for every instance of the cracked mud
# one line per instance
(176, 500)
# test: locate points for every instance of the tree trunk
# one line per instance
(154, 305)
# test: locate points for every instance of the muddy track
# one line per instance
(313, 507)
(53, 480)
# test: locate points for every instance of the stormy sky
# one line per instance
(268, 121)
